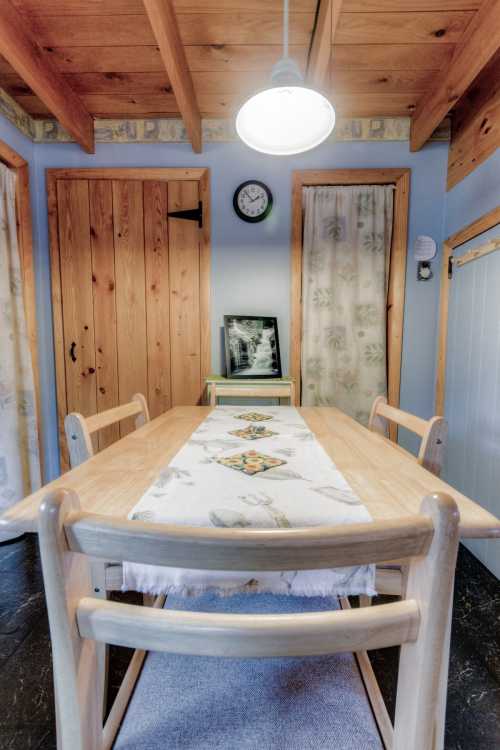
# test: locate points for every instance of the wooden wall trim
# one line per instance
(396, 293)
(205, 286)
(57, 316)
(129, 173)
(10, 157)
(444, 297)
(475, 228)
(201, 174)
(485, 222)
(19, 165)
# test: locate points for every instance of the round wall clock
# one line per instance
(252, 201)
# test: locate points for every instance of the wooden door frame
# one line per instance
(19, 165)
(163, 174)
(472, 230)
(396, 291)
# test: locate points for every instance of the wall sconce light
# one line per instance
(424, 251)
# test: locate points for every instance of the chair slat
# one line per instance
(79, 428)
(105, 418)
(433, 433)
(213, 634)
(248, 549)
(404, 419)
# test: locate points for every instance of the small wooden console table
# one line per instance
(280, 388)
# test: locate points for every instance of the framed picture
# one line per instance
(252, 347)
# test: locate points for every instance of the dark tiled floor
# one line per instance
(26, 694)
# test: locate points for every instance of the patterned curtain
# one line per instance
(346, 253)
(19, 459)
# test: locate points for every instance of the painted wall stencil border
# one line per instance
(199, 174)
(214, 130)
(477, 227)
(396, 293)
(15, 114)
(171, 130)
(17, 164)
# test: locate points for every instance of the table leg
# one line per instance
(98, 578)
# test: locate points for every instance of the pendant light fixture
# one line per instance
(288, 117)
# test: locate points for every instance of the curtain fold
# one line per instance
(19, 457)
(346, 253)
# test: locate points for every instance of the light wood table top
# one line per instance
(388, 481)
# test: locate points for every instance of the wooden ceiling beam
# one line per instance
(475, 133)
(163, 22)
(479, 43)
(318, 68)
(20, 48)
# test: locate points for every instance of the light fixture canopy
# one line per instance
(288, 117)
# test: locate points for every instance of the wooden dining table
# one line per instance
(387, 479)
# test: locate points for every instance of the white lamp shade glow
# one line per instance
(285, 120)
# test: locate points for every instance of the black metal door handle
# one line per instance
(72, 351)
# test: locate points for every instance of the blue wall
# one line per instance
(251, 263)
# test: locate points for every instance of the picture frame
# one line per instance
(252, 347)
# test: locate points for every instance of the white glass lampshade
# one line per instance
(285, 120)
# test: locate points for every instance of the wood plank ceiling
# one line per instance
(386, 53)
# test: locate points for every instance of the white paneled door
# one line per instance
(472, 405)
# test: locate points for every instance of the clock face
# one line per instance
(252, 201)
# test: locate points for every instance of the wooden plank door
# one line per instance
(133, 302)
(77, 295)
(185, 327)
(104, 297)
(159, 393)
(130, 292)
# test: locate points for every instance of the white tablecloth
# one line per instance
(304, 488)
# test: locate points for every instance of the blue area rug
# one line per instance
(204, 703)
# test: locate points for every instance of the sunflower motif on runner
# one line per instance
(253, 432)
(254, 416)
(251, 462)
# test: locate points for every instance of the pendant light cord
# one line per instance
(285, 28)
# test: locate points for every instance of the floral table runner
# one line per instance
(257, 467)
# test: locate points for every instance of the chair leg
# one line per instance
(439, 726)
(372, 687)
(98, 578)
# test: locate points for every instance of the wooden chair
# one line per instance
(80, 622)
(433, 432)
(248, 391)
(79, 429)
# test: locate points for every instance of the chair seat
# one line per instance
(203, 703)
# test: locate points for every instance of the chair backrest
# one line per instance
(247, 391)
(433, 432)
(80, 622)
(79, 429)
